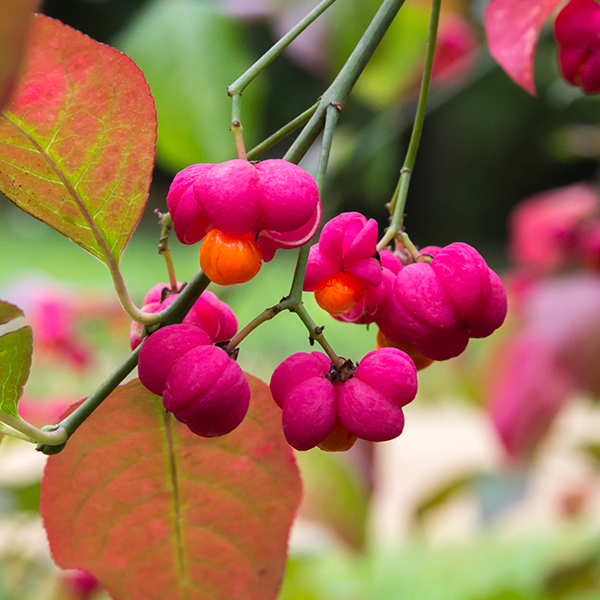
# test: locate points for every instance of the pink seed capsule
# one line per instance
(207, 390)
(162, 350)
(438, 306)
(301, 388)
(370, 403)
(274, 201)
(189, 221)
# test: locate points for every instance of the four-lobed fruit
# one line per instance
(343, 263)
(200, 383)
(245, 211)
(320, 409)
(438, 306)
(209, 313)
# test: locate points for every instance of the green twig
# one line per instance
(399, 200)
(166, 223)
(337, 93)
(240, 84)
(32, 433)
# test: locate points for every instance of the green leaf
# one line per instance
(190, 53)
(575, 577)
(14, 22)
(444, 493)
(15, 362)
(155, 512)
(8, 312)
(77, 142)
(593, 452)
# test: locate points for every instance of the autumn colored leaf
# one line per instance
(14, 21)
(513, 28)
(77, 141)
(157, 513)
(15, 363)
(8, 312)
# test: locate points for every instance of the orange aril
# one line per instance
(340, 293)
(339, 439)
(229, 259)
(420, 360)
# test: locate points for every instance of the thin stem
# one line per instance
(316, 334)
(299, 273)
(10, 432)
(181, 306)
(411, 154)
(52, 438)
(166, 223)
(264, 316)
(73, 421)
(238, 135)
(337, 93)
(331, 118)
(240, 84)
(282, 133)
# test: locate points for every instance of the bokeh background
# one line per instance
(493, 490)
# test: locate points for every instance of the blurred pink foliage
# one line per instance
(556, 229)
(455, 51)
(553, 349)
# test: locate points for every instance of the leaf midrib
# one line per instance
(183, 580)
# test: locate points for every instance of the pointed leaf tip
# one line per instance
(78, 139)
(512, 28)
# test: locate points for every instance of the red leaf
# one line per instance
(77, 142)
(157, 513)
(14, 21)
(513, 28)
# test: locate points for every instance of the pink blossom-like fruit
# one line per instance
(214, 316)
(348, 245)
(209, 313)
(547, 230)
(274, 200)
(189, 221)
(439, 306)
(455, 50)
(367, 405)
(162, 350)
(370, 403)
(207, 390)
(199, 383)
(374, 301)
(576, 30)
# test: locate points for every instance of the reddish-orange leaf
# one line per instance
(14, 20)
(157, 513)
(513, 28)
(77, 141)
